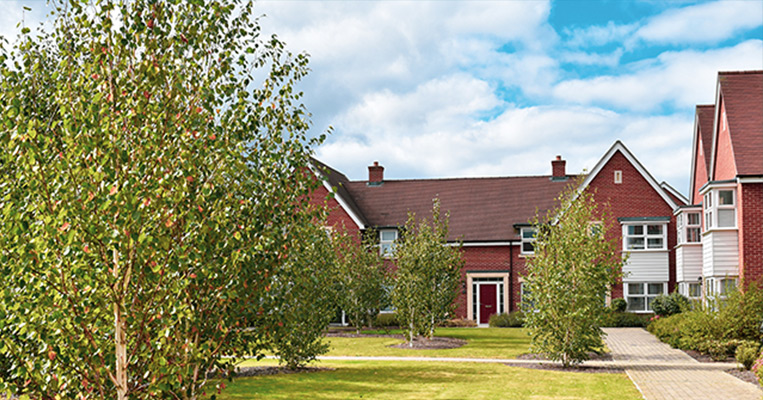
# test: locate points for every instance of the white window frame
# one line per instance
(527, 240)
(386, 246)
(685, 289)
(689, 286)
(618, 177)
(645, 294)
(711, 207)
(726, 286)
(683, 227)
(645, 235)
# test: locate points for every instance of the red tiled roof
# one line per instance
(743, 95)
(339, 181)
(481, 209)
(706, 118)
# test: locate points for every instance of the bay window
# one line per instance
(720, 208)
(689, 228)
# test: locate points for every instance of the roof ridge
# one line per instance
(747, 72)
(464, 178)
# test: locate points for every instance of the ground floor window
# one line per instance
(721, 287)
(640, 295)
(690, 290)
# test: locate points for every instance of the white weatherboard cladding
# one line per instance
(720, 253)
(646, 266)
(688, 263)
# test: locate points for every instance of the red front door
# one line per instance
(488, 301)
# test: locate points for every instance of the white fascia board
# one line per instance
(750, 179)
(684, 209)
(339, 199)
(718, 185)
(666, 186)
(694, 154)
(716, 121)
(344, 205)
(619, 146)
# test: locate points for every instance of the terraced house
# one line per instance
(701, 245)
(491, 217)
(720, 232)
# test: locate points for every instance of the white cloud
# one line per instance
(435, 131)
(701, 23)
(597, 35)
(585, 58)
(678, 79)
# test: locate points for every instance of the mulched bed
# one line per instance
(747, 376)
(422, 343)
(419, 343)
(586, 369)
(704, 358)
(591, 356)
(261, 371)
(271, 370)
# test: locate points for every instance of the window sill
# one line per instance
(646, 251)
(720, 230)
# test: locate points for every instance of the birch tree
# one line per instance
(151, 171)
(575, 263)
(427, 276)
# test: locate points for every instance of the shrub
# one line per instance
(459, 323)
(626, 320)
(385, 320)
(747, 353)
(758, 368)
(514, 319)
(667, 305)
(619, 305)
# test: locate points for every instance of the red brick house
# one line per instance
(491, 217)
(721, 231)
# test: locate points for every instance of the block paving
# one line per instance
(661, 372)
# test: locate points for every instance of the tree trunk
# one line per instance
(119, 338)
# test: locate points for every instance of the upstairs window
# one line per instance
(689, 228)
(387, 238)
(720, 209)
(644, 237)
(528, 240)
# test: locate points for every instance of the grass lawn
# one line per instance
(482, 343)
(430, 380)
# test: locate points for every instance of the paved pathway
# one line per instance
(661, 372)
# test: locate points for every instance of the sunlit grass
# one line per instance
(430, 380)
(481, 343)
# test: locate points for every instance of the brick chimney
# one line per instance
(558, 167)
(375, 174)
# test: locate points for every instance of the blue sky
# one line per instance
(495, 88)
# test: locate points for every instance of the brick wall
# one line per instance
(700, 174)
(337, 217)
(725, 166)
(634, 197)
(750, 221)
(485, 259)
